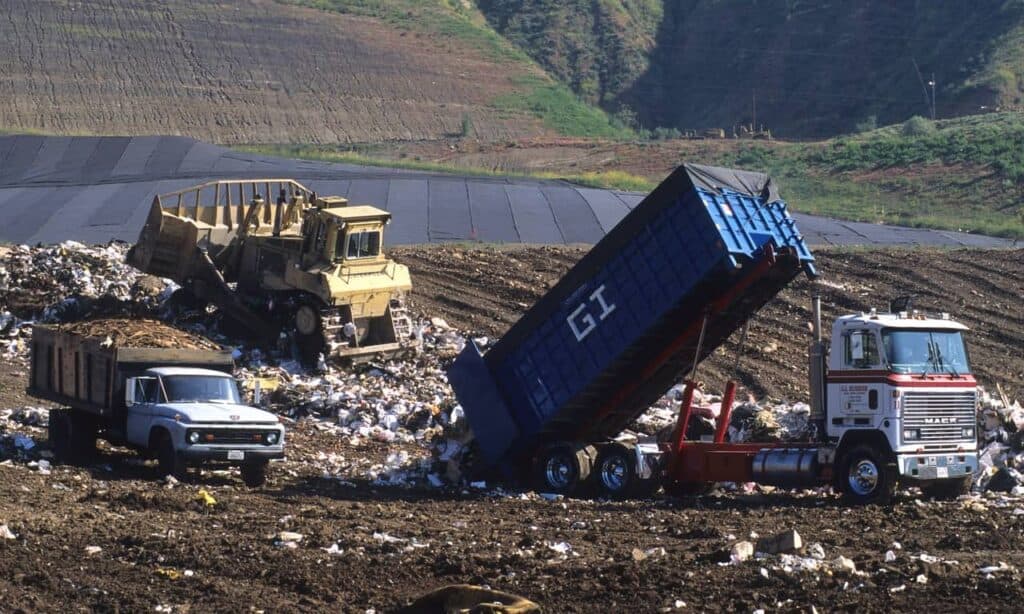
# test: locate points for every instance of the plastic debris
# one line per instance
(204, 497)
(91, 550)
(741, 551)
(6, 532)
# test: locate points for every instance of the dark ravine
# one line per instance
(810, 69)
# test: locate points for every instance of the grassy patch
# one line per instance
(560, 109)
(611, 180)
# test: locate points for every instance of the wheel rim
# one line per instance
(614, 473)
(863, 477)
(306, 320)
(559, 471)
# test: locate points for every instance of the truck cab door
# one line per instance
(141, 394)
(855, 389)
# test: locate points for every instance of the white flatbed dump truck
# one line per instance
(180, 406)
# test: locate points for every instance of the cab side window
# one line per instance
(860, 350)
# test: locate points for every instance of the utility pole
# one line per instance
(753, 105)
(932, 84)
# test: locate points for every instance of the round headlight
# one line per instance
(193, 437)
(271, 438)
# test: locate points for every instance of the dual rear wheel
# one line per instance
(607, 470)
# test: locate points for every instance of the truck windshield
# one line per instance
(926, 351)
(200, 389)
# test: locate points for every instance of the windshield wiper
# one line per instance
(940, 361)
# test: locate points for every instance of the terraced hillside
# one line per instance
(800, 67)
(264, 71)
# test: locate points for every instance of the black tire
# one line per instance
(168, 459)
(866, 476)
(615, 472)
(309, 333)
(563, 468)
(254, 475)
(72, 436)
(948, 489)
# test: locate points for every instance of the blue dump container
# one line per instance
(621, 327)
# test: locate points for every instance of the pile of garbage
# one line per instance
(1001, 437)
(749, 421)
(69, 282)
(139, 333)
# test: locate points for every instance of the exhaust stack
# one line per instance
(816, 370)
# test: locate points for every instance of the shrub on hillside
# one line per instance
(918, 126)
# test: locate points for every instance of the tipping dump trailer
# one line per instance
(683, 270)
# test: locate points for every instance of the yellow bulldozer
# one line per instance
(306, 266)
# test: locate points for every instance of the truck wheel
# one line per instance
(948, 489)
(167, 457)
(254, 475)
(616, 471)
(562, 468)
(866, 477)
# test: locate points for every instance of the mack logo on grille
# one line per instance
(940, 420)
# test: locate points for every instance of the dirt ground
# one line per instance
(160, 547)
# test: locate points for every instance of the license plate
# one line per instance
(236, 455)
(942, 472)
(928, 473)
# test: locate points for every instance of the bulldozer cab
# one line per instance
(343, 235)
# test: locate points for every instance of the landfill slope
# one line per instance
(251, 72)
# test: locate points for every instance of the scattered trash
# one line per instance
(204, 497)
(6, 532)
(741, 551)
(288, 539)
(468, 598)
(91, 550)
(172, 574)
(787, 541)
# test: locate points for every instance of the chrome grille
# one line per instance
(941, 416)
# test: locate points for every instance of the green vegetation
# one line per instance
(613, 180)
(963, 174)
(697, 65)
(560, 110)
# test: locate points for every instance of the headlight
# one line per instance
(193, 437)
(909, 434)
(271, 438)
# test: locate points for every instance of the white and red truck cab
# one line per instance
(906, 379)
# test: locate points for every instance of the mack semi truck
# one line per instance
(179, 406)
(892, 396)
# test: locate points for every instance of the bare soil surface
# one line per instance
(369, 546)
(254, 71)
